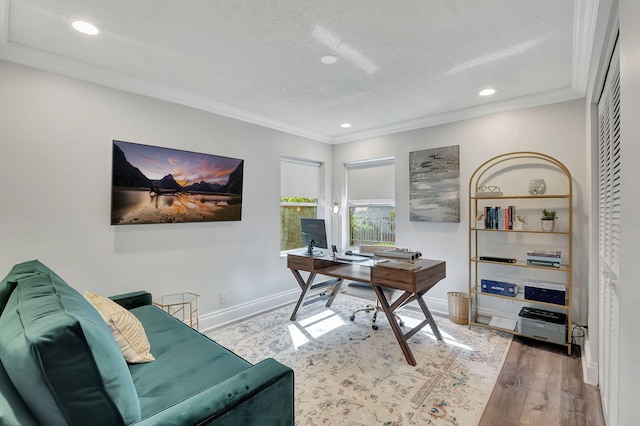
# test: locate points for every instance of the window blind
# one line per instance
(299, 178)
(371, 179)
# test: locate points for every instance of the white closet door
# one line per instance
(609, 238)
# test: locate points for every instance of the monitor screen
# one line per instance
(314, 234)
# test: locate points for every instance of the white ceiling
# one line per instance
(402, 64)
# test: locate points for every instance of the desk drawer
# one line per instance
(413, 281)
(308, 263)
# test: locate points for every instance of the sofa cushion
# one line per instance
(20, 270)
(125, 327)
(6, 287)
(62, 358)
(186, 361)
(13, 410)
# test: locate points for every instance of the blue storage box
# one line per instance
(499, 287)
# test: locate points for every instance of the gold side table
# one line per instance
(184, 306)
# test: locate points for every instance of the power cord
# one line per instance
(575, 347)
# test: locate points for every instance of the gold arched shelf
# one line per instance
(500, 167)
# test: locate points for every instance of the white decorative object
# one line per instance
(547, 225)
(537, 186)
(488, 191)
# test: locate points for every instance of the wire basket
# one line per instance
(458, 307)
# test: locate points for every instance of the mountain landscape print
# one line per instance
(161, 185)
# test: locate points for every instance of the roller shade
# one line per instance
(299, 178)
(371, 180)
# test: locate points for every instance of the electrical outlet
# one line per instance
(223, 298)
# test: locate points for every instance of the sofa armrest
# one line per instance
(262, 395)
(133, 300)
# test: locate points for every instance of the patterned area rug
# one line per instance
(348, 374)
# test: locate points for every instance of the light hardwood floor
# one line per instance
(541, 385)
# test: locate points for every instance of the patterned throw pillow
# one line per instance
(126, 328)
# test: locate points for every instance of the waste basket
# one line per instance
(458, 307)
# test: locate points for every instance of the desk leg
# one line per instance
(304, 285)
(429, 317)
(400, 336)
(308, 285)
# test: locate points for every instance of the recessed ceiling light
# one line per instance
(487, 92)
(328, 59)
(345, 125)
(85, 27)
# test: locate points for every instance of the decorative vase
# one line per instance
(537, 186)
(547, 225)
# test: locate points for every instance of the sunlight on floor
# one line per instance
(448, 339)
(313, 327)
(305, 330)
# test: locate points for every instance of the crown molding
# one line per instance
(585, 13)
(584, 29)
(105, 77)
(531, 101)
(34, 58)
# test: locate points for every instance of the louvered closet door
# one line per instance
(609, 238)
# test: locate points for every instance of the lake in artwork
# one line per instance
(162, 185)
(434, 185)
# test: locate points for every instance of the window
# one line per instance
(292, 209)
(371, 199)
(299, 194)
(371, 225)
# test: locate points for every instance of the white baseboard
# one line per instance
(217, 319)
(237, 313)
(221, 318)
(589, 367)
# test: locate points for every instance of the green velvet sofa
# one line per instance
(60, 365)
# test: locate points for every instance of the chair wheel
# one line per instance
(375, 327)
(401, 323)
(352, 317)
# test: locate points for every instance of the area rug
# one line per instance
(348, 374)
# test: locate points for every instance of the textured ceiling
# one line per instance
(401, 64)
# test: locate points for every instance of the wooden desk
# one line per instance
(413, 284)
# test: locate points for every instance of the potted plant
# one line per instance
(548, 219)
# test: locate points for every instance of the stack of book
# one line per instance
(499, 217)
(543, 258)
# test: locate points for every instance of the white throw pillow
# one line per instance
(126, 328)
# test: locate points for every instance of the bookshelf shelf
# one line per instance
(520, 197)
(523, 264)
(483, 321)
(505, 170)
(526, 231)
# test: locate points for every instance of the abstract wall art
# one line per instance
(434, 185)
(152, 184)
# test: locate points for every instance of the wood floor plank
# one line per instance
(541, 385)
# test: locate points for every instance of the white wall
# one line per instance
(557, 130)
(55, 165)
(55, 172)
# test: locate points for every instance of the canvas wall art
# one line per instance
(434, 185)
(152, 184)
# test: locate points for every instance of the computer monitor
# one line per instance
(314, 234)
